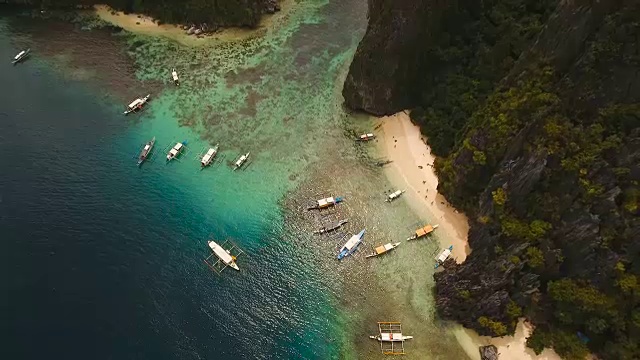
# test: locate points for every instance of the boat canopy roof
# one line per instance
(211, 151)
(178, 146)
(221, 253)
(136, 102)
(353, 241)
(444, 255)
(326, 202)
(424, 230)
(395, 194)
(383, 248)
(391, 336)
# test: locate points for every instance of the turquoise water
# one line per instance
(121, 248)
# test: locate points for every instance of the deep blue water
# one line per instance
(102, 260)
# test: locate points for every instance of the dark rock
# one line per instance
(488, 352)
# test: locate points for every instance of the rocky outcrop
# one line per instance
(391, 58)
(488, 352)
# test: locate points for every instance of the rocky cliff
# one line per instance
(534, 110)
(213, 12)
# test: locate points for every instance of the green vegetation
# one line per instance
(496, 327)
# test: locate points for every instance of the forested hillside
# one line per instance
(533, 108)
(214, 12)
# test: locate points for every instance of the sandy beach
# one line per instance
(142, 24)
(412, 170)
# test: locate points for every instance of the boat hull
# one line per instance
(351, 246)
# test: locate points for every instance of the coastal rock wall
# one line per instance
(538, 137)
(213, 12)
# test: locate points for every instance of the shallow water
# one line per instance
(107, 256)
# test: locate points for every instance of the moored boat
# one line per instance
(383, 249)
(443, 256)
(224, 255)
(241, 160)
(351, 245)
(137, 104)
(423, 231)
(325, 203)
(394, 195)
(21, 56)
(209, 156)
(146, 150)
(331, 227)
(366, 137)
(174, 76)
(390, 337)
(175, 151)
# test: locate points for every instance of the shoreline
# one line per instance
(146, 25)
(412, 169)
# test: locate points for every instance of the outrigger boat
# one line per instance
(241, 160)
(174, 75)
(394, 195)
(325, 203)
(175, 151)
(209, 156)
(137, 104)
(351, 245)
(383, 249)
(146, 150)
(331, 227)
(21, 56)
(423, 231)
(223, 255)
(391, 338)
(366, 137)
(444, 255)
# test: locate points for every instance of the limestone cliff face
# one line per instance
(390, 59)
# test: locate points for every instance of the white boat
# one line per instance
(390, 337)
(174, 75)
(175, 151)
(382, 249)
(137, 104)
(326, 202)
(21, 56)
(209, 156)
(366, 137)
(444, 255)
(351, 245)
(224, 255)
(241, 160)
(394, 195)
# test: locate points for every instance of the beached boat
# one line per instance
(21, 56)
(325, 203)
(351, 245)
(444, 255)
(366, 137)
(146, 150)
(175, 151)
(394, 195)
(423, 231)
(383, 249)
(331, 227)
(223, 255)
(137, 104)
(209, 156)
(174, 76)
(241, 160)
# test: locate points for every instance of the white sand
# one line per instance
(142, 24)
(403, 143)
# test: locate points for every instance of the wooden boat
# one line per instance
(175, 151)
(209, 156)
(366, 137)
(394, 195)
(443, 256)
(225, 257)
(241, 160)
(391, 338)
(383, 249)
(423, 231)
(331, 227)
(325, 203)
(174, 76)
(137, 104)
(21, 56)
(146, 150)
